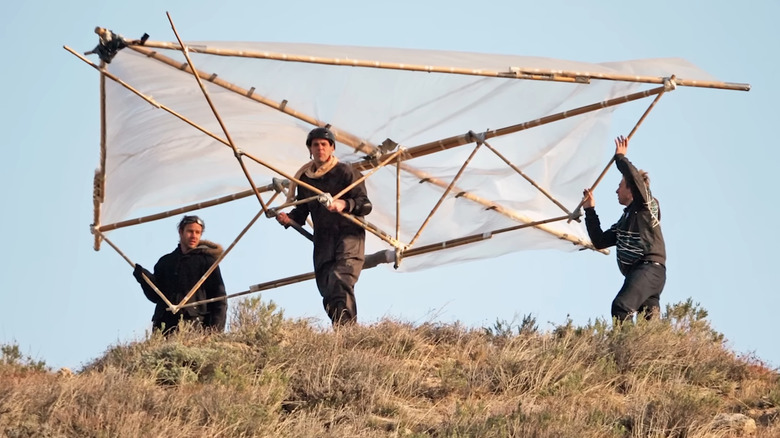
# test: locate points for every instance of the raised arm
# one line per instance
(632, 175)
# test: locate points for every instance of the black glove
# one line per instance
(140, 270)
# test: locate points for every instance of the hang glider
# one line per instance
(465, 155)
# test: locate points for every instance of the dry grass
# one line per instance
(273, 377)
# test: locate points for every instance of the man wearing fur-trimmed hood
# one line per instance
(176, 273)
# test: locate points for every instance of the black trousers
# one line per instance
(338, 262)
(641, 291)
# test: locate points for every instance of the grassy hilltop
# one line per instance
(273, 377)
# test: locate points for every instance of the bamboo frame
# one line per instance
(359, 145)
(421, 150)
(513, 72)
(349, 140)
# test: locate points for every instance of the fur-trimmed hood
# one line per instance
(210, 248)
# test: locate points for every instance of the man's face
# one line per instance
(321, 150)
(189, 236)
(624, 193)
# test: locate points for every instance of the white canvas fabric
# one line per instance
(156, 162)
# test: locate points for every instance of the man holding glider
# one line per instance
(339, 244)
(641, 253)
(176, 273)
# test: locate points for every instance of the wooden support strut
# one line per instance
(216, 113)
(130, 262)
(446, 192)
(99, 189)
(527, 178)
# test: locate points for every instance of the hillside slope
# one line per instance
(273, 377)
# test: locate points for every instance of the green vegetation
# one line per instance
(274, 377)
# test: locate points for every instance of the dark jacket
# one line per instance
(175, 274)
(330, 228)
(637, 234)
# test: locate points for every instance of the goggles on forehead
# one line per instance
(186, 220)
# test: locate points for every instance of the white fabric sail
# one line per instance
(151, 155)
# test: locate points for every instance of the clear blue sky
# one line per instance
(711, 155)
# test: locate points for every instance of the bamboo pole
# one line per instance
(460, 140)
(512, 72)
(257, 288)
(475, 237)
(452, 243)
(398, 197)
(446, 192)
(735, 86)
(631, 134)
(297, 202)
(365, 176)
(216, 114)
(132, 265)
(185, 209)
(99, 181)
(373, 229)
(215, 264)
(527, 178)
